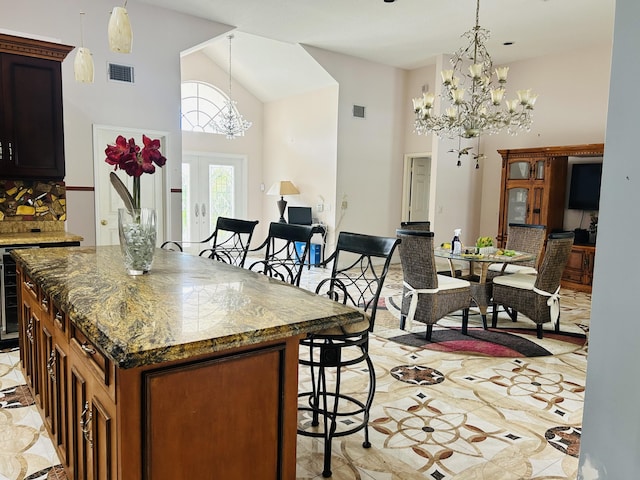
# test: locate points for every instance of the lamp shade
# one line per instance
(83, 66)
(119, 30)
(284, 187)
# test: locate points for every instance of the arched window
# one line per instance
(201, 105)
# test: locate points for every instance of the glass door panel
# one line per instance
(519, 170)
(211, 187)
(540, 170)
(517, 199)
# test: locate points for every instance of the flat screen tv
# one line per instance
(584, 189)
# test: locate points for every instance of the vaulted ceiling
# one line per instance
(404, 33)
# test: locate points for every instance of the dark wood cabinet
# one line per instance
(31, 123)
(534, 185)
(578, 274)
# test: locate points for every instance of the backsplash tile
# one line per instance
(27, 205)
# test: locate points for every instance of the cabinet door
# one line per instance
(48, 377)
(60, 402)
(31, 130)
(78, 415)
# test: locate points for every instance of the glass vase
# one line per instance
(137, 230)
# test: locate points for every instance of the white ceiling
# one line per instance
(268, 60)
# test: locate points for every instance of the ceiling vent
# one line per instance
(120, 73)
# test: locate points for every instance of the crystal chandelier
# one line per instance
(229, 121)
(475, 104)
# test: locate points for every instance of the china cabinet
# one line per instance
(534, 185)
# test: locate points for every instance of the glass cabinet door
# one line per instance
(519, 170)
(517, 199)
(540, 170)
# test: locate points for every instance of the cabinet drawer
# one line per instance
(572, 275)
(92, 357)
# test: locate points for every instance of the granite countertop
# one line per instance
(186, 305)
(35, 238)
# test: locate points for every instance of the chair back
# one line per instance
(286, 251)
(416, 256)
(230, 241)
(527, 238)
(422, 226)
(360, 266)
(555, 259)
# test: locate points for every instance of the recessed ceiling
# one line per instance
(405, 34)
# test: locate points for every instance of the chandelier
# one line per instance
(229, 121)
(475, 102)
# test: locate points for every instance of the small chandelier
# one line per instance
(229, 121)
(476, 106)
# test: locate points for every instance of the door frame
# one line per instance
(161, 178)
(406, 184)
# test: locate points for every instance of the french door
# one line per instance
(212, 186)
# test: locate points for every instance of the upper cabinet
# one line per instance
(534, 185)
(31, 124)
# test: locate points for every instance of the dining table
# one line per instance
(478, 270)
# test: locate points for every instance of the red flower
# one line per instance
(127, 156)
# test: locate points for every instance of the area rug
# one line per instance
(509, 339)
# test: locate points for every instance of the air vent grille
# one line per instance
(358, 111)
(120, 73)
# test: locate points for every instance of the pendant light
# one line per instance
(83, 61)
(120, 34)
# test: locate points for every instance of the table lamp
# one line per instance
(282, 188)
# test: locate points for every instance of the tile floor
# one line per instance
(438, 416)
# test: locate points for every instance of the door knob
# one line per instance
(103, 222)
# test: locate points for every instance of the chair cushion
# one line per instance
(447, 283)
(517, 280)
(512, 268)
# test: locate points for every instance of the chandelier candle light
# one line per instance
(475, 103)
(229, 121)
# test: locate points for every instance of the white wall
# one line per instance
(571, 109)
(370, 149)
(611, 422)
(197, 66)
(153, 102)
(300, 144)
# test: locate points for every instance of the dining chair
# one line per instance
(522, 238)
(360, 266)
(427, 295)
(286, 249)
(229, 242)
(535, 296)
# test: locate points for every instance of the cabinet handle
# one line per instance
(29, 284)
(51, 363)
(85, 424)
(59, 317)
(45, 303)
(30, 329)
(88, 349)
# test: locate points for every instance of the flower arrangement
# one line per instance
(135, 161)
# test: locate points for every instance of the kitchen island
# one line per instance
(187, 372)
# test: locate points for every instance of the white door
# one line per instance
(212, 186)
(419, 189)
(107, 200)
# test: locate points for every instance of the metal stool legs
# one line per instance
(326, 399)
